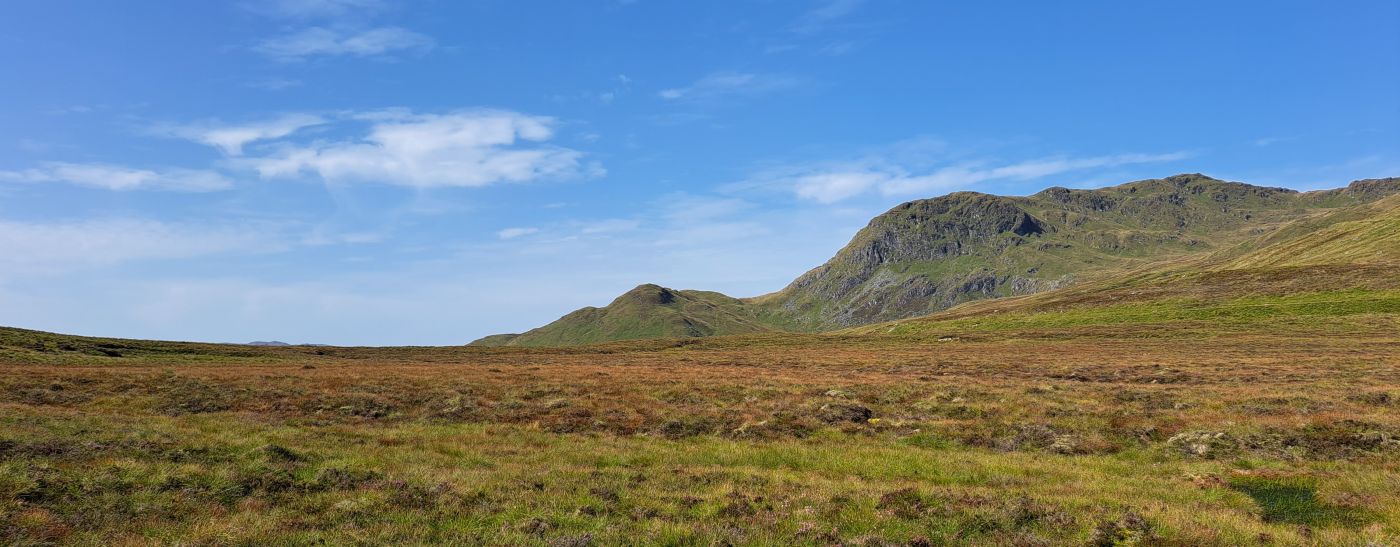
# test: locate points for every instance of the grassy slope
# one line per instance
(648, 311)
(1212, 402)
(1360, 235)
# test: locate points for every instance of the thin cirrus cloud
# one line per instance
(230, 139)
(612, 225)
(967, 175)
(719, 85)
(831, 183)
(457, 149)
(572, 231)
(824, 15)
(53, 247)
(512, 233)
(121, 178)
(332, 42)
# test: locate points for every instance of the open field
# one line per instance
(1280, 428)
(1183, 404)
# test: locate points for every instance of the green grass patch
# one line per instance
(1240, 311)
(1293, 500)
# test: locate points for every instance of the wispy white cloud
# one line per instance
(334, 28)
(461, 148)
(464, 148)
(831, 182)
(623, 86)
(612, 225)
(837, 48)
(230, 138)
(830, 187)
(619, 86)
(50, 247)
(77, 109)
(966, 175)
(512, 233)
(1312, 176)
(322, 41)
(719, 85)
(117, 177)
(1270, 141)
(824, 15)
(36, 146)
(687, 208)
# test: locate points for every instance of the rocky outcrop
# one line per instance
(928, 255)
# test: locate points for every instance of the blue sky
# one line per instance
(381, 172)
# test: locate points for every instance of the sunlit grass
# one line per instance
(1237, 312)
(233, 479)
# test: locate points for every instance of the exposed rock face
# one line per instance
(865, 280)
(1364, 190)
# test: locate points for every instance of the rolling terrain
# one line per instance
(930, 255)
(1245, 394)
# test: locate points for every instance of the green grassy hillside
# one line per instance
(648, 311)
(930, 255)
(1367, 234)
(1345, 262)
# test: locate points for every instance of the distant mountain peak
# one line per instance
(646, 311)
(648, 292)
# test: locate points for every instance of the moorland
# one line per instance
(1244, 392)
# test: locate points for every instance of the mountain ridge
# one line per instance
(928, 255)
(1344, 262)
